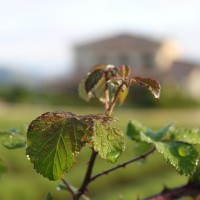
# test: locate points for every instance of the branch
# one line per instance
(112, 105)
(191, 189)
(68, 187)
(122, 165)
(88, 174)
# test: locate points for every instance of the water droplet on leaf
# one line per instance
(28, 157)
(183, 151)
(117, 132)
(103, 143)
(110, 137)
(58, 188)
(99, 134)
(112, 156)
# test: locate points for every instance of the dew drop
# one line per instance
(118, 132)
(112, 156)
(99, 134)
(28, 157)
(76, 153)
(183, 151)
(103, 143)
(110, 137)
(58, 188)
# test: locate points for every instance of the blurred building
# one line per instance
(160, 60)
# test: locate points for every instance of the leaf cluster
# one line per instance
(180, 147)
(55, 139)
(110, 84)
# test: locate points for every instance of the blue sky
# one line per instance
(38, 35)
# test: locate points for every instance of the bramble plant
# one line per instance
(55, 139)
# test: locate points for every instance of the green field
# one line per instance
(136, 180)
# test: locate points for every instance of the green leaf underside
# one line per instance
(182, 155)
(151, 84)
(108, 141)
(53, 141)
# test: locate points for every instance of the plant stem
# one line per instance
(122, 165)
(68, 187)
(112, 105)
(190, 189)
(87, 177)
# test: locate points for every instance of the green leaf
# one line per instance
(160, 135)
(134, 130)
(13, 138)
(3, 168)
(182, 155)
(53, 141)
(108, 141)
(48, 196)
(152, 85)
(196, 175)
(187, 135)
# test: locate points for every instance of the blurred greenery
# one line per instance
(140, 179)
(138, 97)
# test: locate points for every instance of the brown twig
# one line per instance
(87, 177)
(68, 187)
(191, 189)
(122, 165)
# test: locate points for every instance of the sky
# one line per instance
(38, 36)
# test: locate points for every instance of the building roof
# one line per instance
(121, 41)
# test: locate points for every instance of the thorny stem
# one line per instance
(68, 187)
(87, 177)
(123, 164)
(190, 189)
(107, 98)
(76, 194)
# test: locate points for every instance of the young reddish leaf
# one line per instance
(149, 83)
(53, 141)
(97, 67)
